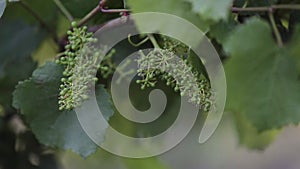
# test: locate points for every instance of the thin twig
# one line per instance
(39, 19)
(250, 9)
(266, 8)
(89, 15)
(114, 10)
(137, 44)
(287, 6)
(276, 31)
(57, 56)
(98, 8)
(104, 10)
(64, 10)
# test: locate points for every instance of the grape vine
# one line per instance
(258, 42)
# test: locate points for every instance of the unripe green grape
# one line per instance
(74, 24)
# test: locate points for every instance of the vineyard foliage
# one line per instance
(258, 42)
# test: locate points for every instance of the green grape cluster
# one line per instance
(164, 64)
(107, 66)
(174, 45)
(81, 63)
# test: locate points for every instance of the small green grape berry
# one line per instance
(74, 24)
(61, 93)
(67, 47)
(69, 32)
(70, 59)
(68, 107)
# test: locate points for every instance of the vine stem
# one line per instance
(89, 15)
(98, 8)
(266, 8)
(64, 10)
(270, 10)
(276, 31)
(153, 41)
(39, 19)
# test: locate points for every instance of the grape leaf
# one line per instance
(37, 99)
(250, 137)
(18, 41)
(175, 7)
(2, 7)
(294, 44)
(212, 9)
(261, 77)
(221, 30)
(47, 10)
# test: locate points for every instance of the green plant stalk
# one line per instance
(153, 41)
(89, 15)
(276, 31)
(266, 8)
(64, 10)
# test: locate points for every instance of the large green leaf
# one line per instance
(175, 7)
(46, 10)
(295, 43)
(18, 41)
(212, 9)
(37, 100)
(221, 30)
(249, 135)
(262, 78)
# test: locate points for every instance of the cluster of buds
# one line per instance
(81, 62)
(163, 64)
